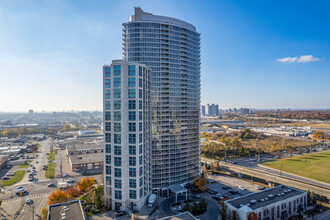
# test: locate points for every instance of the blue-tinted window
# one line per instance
(108, 148)
(107, 83)
(140, 159)
(116, 116)
(117, 172)
(117, 127)
(132, 138)
(140, 82)
(131, 70)
(140, 126)
(141, 181)
(131, 93)
(107, 126)
(116, 70)
(117, 150)
(131, 82)
(132, 172)
(140, 104)
(140, 138)
(117, 104)
(132, 161)
(107, 115)
(107, 105)
(132, 183)
(132, 194)
(131, 127)
(141, 192)
(140, 149)
(107, 137)
(140, 93)
(116, 93)
(117, 161)
(116, 82)
(131, 104)
(107, 71)
(108, 180)
(140, 171)
(108, 170)
(131, 116)
(107, 94)
(108, 159)
(140, 116)
(118, 183)
(132, 150)
(140, 71)
(117, 138)
(117, 194)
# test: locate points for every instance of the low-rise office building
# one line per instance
(67, 210)
(280, 202)
(86, 162)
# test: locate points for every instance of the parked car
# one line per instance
(11, 174)
(71, 180)
(213, 192)
(195, 196)
(242, 187)
(65, 175)
(37, 161)
(28, 201)
(226, 187)
(118, 214)
(5, 178)
(51, 185)
(216, 198)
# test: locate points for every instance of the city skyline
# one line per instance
(257, 55)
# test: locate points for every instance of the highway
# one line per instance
(272, 175)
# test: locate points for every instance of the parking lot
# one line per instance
(228, 187)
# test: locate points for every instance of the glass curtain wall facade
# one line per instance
(171, 48)
(127, 135)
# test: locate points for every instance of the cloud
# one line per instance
(301, 59)
(307, 58)
(287, 60)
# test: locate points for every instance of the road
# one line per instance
(272, 175)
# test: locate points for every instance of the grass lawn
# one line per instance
(314, 166)
(51, 155)
(50, 172)
(25, 165)
(15, 179)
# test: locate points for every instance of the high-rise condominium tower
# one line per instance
(127, 134)
(171, 48)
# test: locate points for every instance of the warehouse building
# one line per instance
(280, 202)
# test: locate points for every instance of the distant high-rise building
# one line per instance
(127, 134)
(31, 112)
(171, 48)
(203, 110)
(212, 110)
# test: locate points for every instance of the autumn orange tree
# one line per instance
(85, 184)
(318, 135)
(58, 196)
(253, 216)
(72, 192)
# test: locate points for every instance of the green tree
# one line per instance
(195, 208)
(203, 204)
(187, 207)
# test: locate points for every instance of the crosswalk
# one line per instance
(28, 182)
(24, 198)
